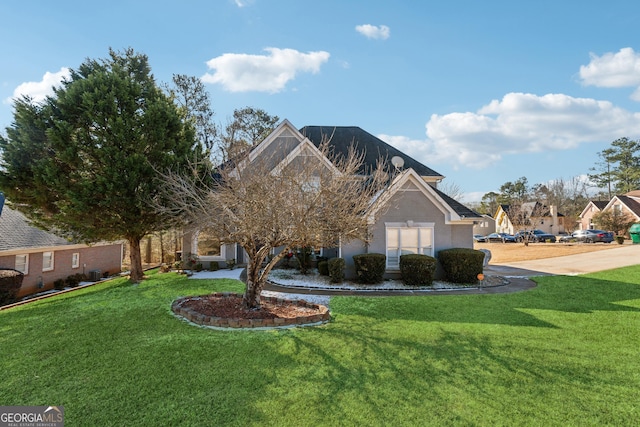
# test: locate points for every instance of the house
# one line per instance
(586, 216)
(485, 225)
(44, 257)
(628, 204)
(512, 218)
(423, 219)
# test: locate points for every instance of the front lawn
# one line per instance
(565, 353)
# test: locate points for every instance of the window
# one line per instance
(208, 244)
(47, 261)
(408, 239)
(75, 260)
(22, 263)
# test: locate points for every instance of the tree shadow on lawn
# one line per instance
(398, 374)
(574, 294)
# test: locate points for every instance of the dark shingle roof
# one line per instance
(599, 204)
(16, 233)
(631, 203)
(458, 207)
(342, 137)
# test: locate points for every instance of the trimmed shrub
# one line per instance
(336, 269)
(417, 269)
(214, 266)
(10, 283)
(58, 284)
(323, 268)
(461, 265)
(75, 279)
(370, 267)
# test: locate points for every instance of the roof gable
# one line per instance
(631, 203)
(598, 204)
(452, 209)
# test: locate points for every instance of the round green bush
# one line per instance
(370, 267)
(461, 265)
(417, 269)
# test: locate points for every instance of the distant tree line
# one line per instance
(617, 171)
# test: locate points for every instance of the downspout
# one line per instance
(1, 201)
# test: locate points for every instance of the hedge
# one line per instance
(370, 267)
(461, 265)
(417, 269)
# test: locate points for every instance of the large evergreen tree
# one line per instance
(619, 167)
(86, 161)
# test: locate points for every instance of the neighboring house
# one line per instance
(547, 219)
(485, 225)
(422, 219)
(628, 203)
(44, 257)
(586, 217)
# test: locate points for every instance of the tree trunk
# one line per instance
(255, 284)
(136, 273)
(257, 275)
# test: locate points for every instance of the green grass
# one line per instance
(565, 353)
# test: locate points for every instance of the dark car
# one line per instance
(535, 236)
(589, 236)
(500, 237)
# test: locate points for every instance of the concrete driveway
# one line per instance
(590, 262)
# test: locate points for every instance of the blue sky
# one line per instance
(482, 92)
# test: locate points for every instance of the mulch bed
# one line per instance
(231, 307)
(225, 310)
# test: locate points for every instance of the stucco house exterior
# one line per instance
(44, 257)
(486, 225)
(547, 219)
(416, 217)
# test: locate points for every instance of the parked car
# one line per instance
(500, 237)
(589, 236)
(479, 238)
(535, 236)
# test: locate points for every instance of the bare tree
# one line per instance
(451, 189)
(614, 220)
(526, 217)
(264, 207)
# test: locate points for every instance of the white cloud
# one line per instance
(38, 91)
(374, 32)
(238, 72)
(519, 123)
(620, 69)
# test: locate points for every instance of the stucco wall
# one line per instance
(106, 258)
(410, 205)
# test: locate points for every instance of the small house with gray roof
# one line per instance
(417, 218)
(44, 257)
